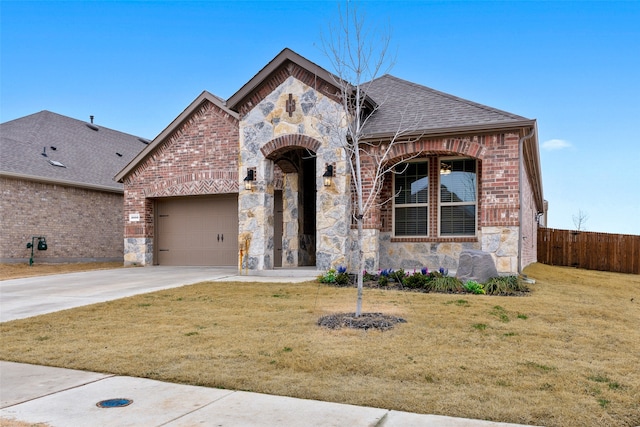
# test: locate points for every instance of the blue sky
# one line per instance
(573, 66)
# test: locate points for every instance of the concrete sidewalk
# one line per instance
(62, 397)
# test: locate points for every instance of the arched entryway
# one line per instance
(294, 207)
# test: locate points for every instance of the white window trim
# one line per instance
(410, 205)
(440, 203)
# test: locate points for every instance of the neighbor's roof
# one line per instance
(49, 147)
(412, 108)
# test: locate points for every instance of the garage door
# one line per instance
(197, 231)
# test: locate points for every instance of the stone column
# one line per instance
(333, 213)
(255, 219)
(290, 226)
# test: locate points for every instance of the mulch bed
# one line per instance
(365, 321)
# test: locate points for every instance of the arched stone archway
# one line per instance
(294, 207)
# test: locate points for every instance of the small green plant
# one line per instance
(613, 385)
(287, 349)
(189, 334)
(480, 326)
(459, 302)
(383, 280)
(474, 287)
(328, 277)
(603, 402)
(545, 368)
(599, 378)
(500, 313)
(522, 316)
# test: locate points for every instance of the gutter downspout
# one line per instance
(520, 168)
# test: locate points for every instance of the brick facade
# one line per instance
(498, 204)
(80, 225)
(288, 113)
(199, 157)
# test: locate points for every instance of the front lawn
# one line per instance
(567, 354)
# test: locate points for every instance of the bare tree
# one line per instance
(358, 57)
(580, 219)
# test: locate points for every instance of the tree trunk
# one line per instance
(360, 265)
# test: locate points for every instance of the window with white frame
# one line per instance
(411, 199)
(458, 197)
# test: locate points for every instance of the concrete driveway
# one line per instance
(20, 298)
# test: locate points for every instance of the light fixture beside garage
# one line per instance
(328, 175)
(248, 180)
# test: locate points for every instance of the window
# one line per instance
(458, 197)
(411, 201)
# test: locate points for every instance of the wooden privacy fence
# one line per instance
(593, 251)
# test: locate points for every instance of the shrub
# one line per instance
(446, 284)
(343, 279)
(416, 281)
(367, 277)
(383, 280)
(474, 287)
(435, 274)
(505, 285)
(398, 276)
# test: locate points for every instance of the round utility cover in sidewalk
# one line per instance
(114, 403)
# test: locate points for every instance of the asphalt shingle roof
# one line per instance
(411, 107)
(90, 157)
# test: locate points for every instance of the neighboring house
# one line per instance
(56, 178)
(474, 182)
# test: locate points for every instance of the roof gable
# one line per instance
(50, 147)
(416, 109)
(174, 126)
(286, 63)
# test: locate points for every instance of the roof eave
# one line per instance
(66, 183)
(532, 158)
(455, 130)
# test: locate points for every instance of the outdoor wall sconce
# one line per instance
(328, 175)
(42, 246)
(445, 169)
(248, 180)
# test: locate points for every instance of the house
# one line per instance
(56, 178)
(240, 182)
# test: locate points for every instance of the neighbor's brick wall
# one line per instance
(199, 157)
(79, 224)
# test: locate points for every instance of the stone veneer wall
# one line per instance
(267, 128)
(199, 157)
(80, 225)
